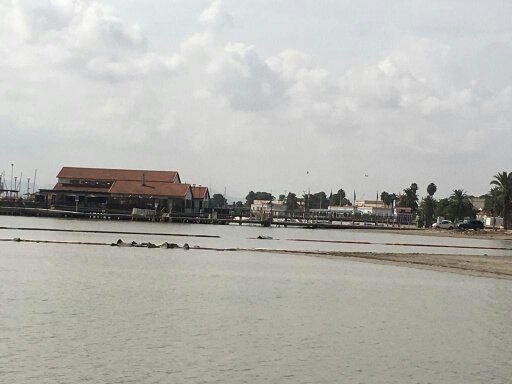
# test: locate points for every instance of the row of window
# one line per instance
(91, 183)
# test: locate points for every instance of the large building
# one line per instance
(123, 189)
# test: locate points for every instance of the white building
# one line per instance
(373, 207)
(265, 206)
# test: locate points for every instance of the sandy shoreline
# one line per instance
(482, 266)
(499, 267)
(488, 234)
(474, 265)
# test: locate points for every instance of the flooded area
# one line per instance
(73, 313)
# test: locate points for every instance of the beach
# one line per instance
(475, 265)
(489, 234)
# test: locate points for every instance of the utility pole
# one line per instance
(12, 171)
(34, 187)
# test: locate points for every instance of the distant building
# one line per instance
(200, 198)
(373, 207)
(343, 210)
(369, 204)
(478, 203)
(403, 215)
(124, 189)
(266, 206)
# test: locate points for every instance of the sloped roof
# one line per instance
(199, 192)
(119, 174)
(123, 187)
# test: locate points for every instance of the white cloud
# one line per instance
(198, 49)
(81, 76)
(142, 65)
(244, 79)
(85, 36)
(216, 16)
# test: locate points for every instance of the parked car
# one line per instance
(444, 224)
(471, 224)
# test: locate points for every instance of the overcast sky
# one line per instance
(253, 95)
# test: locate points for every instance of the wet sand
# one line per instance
(488, 234)
(487, 266)
(483, 266)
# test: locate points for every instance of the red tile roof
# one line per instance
(136, 188)
(199, 192)
(119, 174)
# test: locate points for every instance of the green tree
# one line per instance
(249, 199)
(494, 202)
(239, 204)
(388, 198)
(442, 209)
(251, 196)
(460, 205)
(409, 198)
(218, 201)
(318, 200)
(503, 183)
(291, 202)
(339, 198)
(267, 196)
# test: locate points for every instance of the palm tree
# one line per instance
(384, 196)
(429, 205)
(460, 204)
(493, 202)
(431, 189)
(409, 199)
(503, 182)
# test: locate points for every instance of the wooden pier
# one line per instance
(311, 222)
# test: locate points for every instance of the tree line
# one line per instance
(498, 201)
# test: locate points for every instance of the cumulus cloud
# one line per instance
(86, 36)
(216, 16)
(244, 79)
(78, 73)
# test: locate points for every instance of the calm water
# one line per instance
(72, 313)
(245, 236)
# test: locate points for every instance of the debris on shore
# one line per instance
(164, 245)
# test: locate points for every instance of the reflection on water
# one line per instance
(73, 313)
